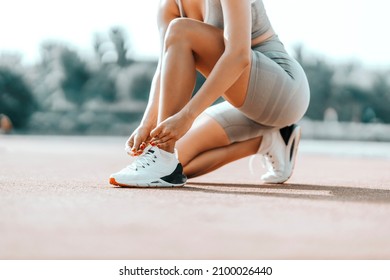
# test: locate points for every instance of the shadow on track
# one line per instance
(300, 191)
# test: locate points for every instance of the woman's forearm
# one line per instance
(225, 73)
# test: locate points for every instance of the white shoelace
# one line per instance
(143, 161)
(264, 160)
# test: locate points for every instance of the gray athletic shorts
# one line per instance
(278, 95)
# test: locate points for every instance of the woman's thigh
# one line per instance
(207, 45)
(278, 91)
(236, 125)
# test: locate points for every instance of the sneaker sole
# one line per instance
(176, 179)
(155, 183)
(291, 151)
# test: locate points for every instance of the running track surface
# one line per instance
(56, 203)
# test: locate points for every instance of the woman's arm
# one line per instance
(236, 57)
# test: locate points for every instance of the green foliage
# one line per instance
(350, 102)
(76, 94)
(141, 76)
(16, 99)
(356, 94)
(100, 85)
(68, 93)
(320, 78)
(118, 37)
(76, 75)
(319, 75)
(381, 99)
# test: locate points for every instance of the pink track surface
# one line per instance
(56, 203)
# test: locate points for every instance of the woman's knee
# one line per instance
(178, 32)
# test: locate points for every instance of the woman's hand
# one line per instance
(171, 129)
(138, 140)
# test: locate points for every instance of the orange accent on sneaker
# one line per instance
(115, 183)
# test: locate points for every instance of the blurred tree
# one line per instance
(140, 78)
(48, 76)
(105, 49)
(76, 75)
(299, 54)
(118, 37)
(16, 99)
(12, 60)
(369, 115)
(101, 84)
(381, 100)
(320, 77)
(350, 101)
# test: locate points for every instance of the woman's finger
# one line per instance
(138, 143)
(129, 144)
(156, 132)
(163, 140)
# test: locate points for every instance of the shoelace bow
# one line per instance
(143, 160)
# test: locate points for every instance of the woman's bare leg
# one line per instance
(206, 147)
(213, 159)
(191, 45)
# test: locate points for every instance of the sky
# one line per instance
(339, 30)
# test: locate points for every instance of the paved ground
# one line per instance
(55, 203)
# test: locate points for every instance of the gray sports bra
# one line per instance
(214, 16)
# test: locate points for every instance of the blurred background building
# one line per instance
(85, 68)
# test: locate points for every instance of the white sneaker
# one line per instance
(154, 168)
(279, 149)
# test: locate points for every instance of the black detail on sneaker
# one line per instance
(292, 149)
(286, 132)
(176, 177)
